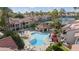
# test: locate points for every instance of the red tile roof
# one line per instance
(75, 47)
(27, 19)
(8, 43)
(5, 49)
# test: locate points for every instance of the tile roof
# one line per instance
(76, 34)
(8, 43)
(75, 47)
(19, 20)
(26, 19)
(5, 49)
(73, 26)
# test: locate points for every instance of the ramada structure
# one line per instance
(43, 27)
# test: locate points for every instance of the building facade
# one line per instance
(24, 23)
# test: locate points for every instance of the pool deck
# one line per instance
(29, 47)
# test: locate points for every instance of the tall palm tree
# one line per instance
(56, 22)
(41, 13)
(5, 17)
(75, 8)
(55, 18)
(62, 11)
(54, 14)
(75, 11)
(32, 13)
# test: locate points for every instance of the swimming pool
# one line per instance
(38, 38)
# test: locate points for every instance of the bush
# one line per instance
(33, 26)
(57, 47)
(19, 16)
(60, 43)
(49, 48)
(57, 31)
(16, 38)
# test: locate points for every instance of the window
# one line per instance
(26, 22)
(23, 23)
(13, 25)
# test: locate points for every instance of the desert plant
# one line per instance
(19, 42)
(57, 47)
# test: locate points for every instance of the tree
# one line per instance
(56, 23)
(19, 15)
(62, 11)
(32, 13)
(54, 14)
(76, 12)
(5, 17)
(57, 47)
(41, 13)
(76, 8)
(19, 42)
(36, 13)
(33, 26)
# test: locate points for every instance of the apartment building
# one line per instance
(23, 23)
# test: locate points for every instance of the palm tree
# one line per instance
(55, 19)
(36, 13)
(5, 17)
(32, 13)
(75, 8)
(41, 13)
(19, 15)
(54, 14)
(62, 11)
(75, 11)
(56, 22)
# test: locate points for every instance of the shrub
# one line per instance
(59, 43)
(16, 38)
(33, 26)
(19, 16)
(57, 48)
(49, 48)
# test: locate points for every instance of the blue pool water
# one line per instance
(38, 38)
